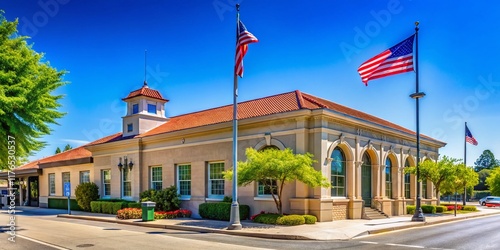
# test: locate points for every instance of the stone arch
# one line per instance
(346, 148)
(273, 142)
(372, 152)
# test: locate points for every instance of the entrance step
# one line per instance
(374, 214)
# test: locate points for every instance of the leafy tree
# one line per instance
(483, 175)
(493, 181)
(436, 172)
(280, 165)
(462, 178)
(58, 150)
(486, 161)
(27, 105)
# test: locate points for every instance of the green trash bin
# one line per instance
(148, 210)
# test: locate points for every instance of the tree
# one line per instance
(280, 165)
(86, 193)
(483, 175)
(436, 172)
(27, 105)
(486, 161)
(67, 147)
(462, 178)
(493, 181)
(58, 150)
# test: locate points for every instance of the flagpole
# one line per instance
(419, 215)
(234, 222)
(465, 159)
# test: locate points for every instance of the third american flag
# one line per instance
(243, 38)
(397, 59)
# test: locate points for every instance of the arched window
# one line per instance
(338, 172)
(407, 180)
(388, 178)
(265, 187)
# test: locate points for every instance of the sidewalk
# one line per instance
(335, 230)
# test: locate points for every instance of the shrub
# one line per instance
(63, 204)
(166, 199)
(129, 213)
(469, 208)
(428, 209)
(310, 219)
(410, 209)
(440, 209)
(291, 220)
(227, 199)
(134, 205)
(221, 211)
(95, 207)
(85, 193)
(267, 218)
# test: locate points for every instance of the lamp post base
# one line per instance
(418, 216)
(234, 223)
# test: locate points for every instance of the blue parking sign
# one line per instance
(67, 189)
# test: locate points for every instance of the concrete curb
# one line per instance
(190, 228)
(421, 224)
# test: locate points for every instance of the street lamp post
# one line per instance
(419, 215)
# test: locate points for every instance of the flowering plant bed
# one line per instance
(136, 213)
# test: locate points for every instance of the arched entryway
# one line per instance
(366, 180)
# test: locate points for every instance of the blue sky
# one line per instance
(313, 46)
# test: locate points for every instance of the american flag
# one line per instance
(397, 59)
(243, 38)
(469, 138)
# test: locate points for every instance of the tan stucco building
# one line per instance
(362, 155)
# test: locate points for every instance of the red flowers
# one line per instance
(136, 213)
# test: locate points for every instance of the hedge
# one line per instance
(428, 209)
(221, 211)
(63, 204)
(110, 207)
(410, 209)
(291, 220)
(440, 209)
(266, 218)
(310, 219)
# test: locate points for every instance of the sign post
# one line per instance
(67, 192)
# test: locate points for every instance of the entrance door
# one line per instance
(366, 184)
(33, 191)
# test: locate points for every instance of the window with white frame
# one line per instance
(151, 108)
(135, 108)
(156, 178)
(65, 178)
(184, 180)
(126, 182)
(106, 183)
(216, 180)
(84, 176)
(52, 184)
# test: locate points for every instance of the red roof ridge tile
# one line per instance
(145, 91)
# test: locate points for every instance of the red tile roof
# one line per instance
(145, 91)
(72, 154)
(275, 104)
